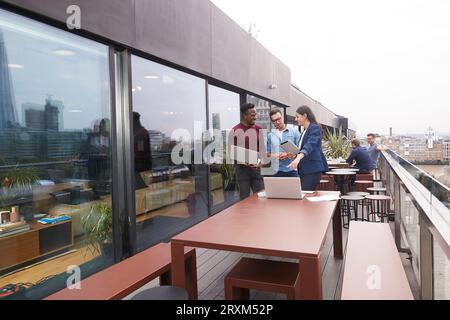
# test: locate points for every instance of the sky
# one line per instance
(383, 63)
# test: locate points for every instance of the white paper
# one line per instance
(262, 194)
(323, 198)
(289, 147)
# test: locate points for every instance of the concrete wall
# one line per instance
(194, 34)
(323, 114)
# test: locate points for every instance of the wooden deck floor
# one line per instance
(213, 265)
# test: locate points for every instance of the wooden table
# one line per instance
(338, 164)
(339, 178)
(272, 227)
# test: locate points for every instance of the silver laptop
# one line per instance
(283, 188)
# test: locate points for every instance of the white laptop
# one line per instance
(283, 188)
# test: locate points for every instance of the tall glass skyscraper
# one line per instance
(8, 114)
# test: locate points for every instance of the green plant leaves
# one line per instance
(336, 145)
(97, 225)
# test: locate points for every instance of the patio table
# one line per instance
(272, 227)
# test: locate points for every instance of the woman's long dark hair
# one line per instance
(309, 114)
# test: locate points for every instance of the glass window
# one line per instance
(169, 120)
(263, 109)
(224, 114)
(55, 156)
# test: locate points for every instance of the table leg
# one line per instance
(191, 276)
(310, 279)
(178, 266)
(337, 232)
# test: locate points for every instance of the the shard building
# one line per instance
(8, 114)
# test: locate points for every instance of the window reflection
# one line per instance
(224, 114)
(169, 112)
(55, 155)
(263, 108)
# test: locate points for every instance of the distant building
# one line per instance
(421, 151)
(47, 117)
(8, 113)
(30, 145)
(35, 119)
(392, 143)
(446, 150)
(216, 121)
(156, 140)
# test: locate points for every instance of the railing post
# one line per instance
(426, 261)
(398, 213)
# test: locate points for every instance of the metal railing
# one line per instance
(422, 222)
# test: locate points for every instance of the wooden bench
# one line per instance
(264, 275)
(121, 279)
(373, 268)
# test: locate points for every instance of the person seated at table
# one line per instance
(359, 158)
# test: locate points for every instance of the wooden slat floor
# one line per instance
(213, 265)
(211, 274)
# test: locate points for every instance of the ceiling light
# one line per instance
(139, 88)
(65, 53)
(151, 77)
(75, 111)
(15, 66)
(133, 89)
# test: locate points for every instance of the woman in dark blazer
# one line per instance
(310, 161)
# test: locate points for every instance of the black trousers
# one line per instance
(248, 179)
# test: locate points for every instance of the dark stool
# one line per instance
(324, 185)
(362, 185)
(364, 203)
(379, 208)
(162, 293)
(265, 275)
(349, 208)
(377, 190)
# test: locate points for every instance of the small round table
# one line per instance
(339, 178)
(345, 169)
(377, 190)
(357, 193)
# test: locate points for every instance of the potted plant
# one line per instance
(336, 145)
(97, 226)
(16, 186)
(228, 172)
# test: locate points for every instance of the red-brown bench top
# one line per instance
(123, 278)
(373, 268)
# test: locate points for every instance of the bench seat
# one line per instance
(121, 279)
(373, 268)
